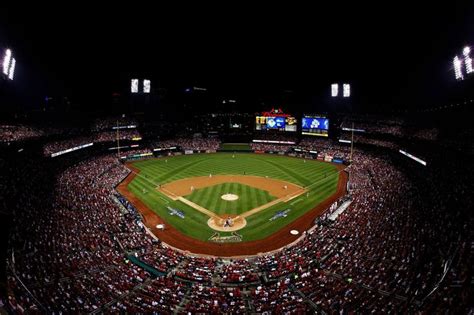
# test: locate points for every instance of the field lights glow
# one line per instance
(467, 59)
(134, 86)
(6, 61)
(334, 89)
(146, 86)
(346, 90)
(12, 69)
(457, 68)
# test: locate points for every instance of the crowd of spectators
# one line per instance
(135, 152)
(112, 122)
(325, 147)
(110, 136)
(398, 127)
(195, 144)
(104, 136)
(290, 140)
(375, 124)
(9, 133)
(366, 139)
(270, 147)
(61, 145)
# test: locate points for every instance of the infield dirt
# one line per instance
(275, 187)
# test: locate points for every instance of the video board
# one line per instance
(315, 126)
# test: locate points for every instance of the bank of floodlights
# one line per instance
(6, 61)
(146, 86)
(11, 73)
(457, 64)
(346, 90)
(463, 65)
(134, 86)
(467, 59)
(334, 89)
(9, 64)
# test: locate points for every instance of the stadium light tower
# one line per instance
(467, 59)
(334, 89)
(346, 90)
(146, 86)
(458, 68)
(134, 86)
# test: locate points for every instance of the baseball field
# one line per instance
(227, 197)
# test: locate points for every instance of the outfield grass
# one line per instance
(249, 198)
(318, 177)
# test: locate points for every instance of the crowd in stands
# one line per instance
(104, 136)
(61, 145)
(374, 124)
(366, 139)
(196, 143)
(9, 133)
(110, 136)
(270, 147)
(135, 152)
(112, 122)
(273, 147)
(325, 147)
(385, 253)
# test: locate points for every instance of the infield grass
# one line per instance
(249, 198)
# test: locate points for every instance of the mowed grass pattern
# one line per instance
(319, 178)
(249, 198)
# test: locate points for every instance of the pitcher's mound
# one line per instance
(230, 197)
(227, 223)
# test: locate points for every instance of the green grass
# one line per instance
(318, 177)
(249, 198)
(235, 147)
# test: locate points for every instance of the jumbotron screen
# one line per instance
(315, 126)
(276, 123)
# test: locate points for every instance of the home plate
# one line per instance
(230, 197)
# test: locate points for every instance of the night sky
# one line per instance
(395, 55)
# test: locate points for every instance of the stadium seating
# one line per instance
(70, 247)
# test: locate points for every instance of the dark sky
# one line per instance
(393, 53)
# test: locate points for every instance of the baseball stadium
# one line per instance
(211, 160)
